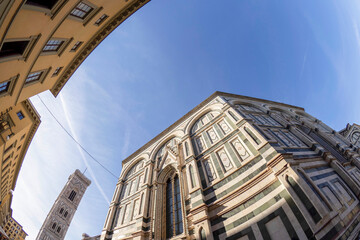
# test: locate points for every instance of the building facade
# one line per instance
(42, 42)
(18, 125)
(14, 230)
(59, 218)
(237, 167)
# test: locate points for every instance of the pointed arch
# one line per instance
(203, 120)
(133, 168)
(168, 146)
(169, 203)
(217, 107)
(202, 233)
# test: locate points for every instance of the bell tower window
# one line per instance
(72, 195)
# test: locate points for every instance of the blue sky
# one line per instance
(167, 58)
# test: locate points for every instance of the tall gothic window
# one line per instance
(202, 234)
(169, 210)
(174, 222)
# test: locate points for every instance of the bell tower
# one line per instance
(59, 218)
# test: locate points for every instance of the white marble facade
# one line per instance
(237, 167)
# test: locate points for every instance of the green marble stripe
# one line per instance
(242, 122)
(299, 216)
(230, 122)
(218, 144)
(236, 185)
(205, 136)
(248, 144)
(229, 179)
(252, 135)
(234, 175)
(217, 165)
(285, 220)
(219, 131)
(233, 155)
(246, 204)
(259, 210)
(196, 193)
(202, 176)
(197, 203)
(264, 148)
(245, 218)
(273, 154)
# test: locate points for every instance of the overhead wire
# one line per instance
(83, 148)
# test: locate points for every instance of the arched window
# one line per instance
(202, 234)
(174, 222)
(65, 214)
(53, 226)
(72, 195)
(58, 229)
(203, 121)
(61, 210)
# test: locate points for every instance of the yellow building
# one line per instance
(14, 230)
(18, 125)
(42, 42)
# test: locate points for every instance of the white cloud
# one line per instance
(67, 116)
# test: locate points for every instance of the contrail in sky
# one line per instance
(67, 117)
(304, 61)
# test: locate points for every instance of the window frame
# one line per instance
(76, 46)
(40, 80)
(23, 57)
(20, 113)
(89, 16)
(57, 71)
(10, 90)
(65, 43)
(101, 19)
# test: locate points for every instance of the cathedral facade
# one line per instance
(237, 167)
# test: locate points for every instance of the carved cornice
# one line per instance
(95, 41)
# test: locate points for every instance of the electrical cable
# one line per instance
(93, 158)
